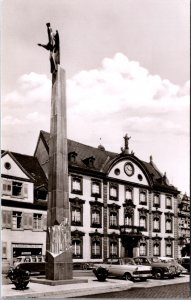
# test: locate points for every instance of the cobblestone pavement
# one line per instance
(181, 291)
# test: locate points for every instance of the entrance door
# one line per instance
(128, 251)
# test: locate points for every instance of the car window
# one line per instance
(19, 259)
(155, 259)
(128, 261)
(27, 259)
(33, 259)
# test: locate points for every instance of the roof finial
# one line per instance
(125, 150)
(151, 159)
(100, 145)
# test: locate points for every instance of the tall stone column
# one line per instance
(58, 240)
(59, 255)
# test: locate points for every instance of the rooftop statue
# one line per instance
(54, 47)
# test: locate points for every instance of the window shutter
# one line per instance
(30, 221)
(6, 219)
(4, 249)
(7, 187)
(44, 222)
(27, 221)
(25, 190)
(9, 219)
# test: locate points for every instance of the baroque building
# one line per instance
(119, 204)
(184, 225)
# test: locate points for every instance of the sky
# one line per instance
(127, 71)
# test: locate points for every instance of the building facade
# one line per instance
(119, 204)
(23, 205)
(183, 225)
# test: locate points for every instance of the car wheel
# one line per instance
(128, 276)
(157, 275)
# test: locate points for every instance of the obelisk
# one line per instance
(58, 242)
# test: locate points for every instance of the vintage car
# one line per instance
(159, 269)
(33, 264)
(185, 262)
(179, 269)
(124, 268)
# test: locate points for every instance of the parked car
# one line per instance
(159, 269)
(124, 268)
(179, 268)
(33, 264)
(185, 262)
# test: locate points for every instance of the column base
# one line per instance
(59, 267)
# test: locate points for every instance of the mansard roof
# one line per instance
(104, 158)
(31, 165)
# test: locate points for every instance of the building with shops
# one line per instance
(23, 206)
(119, 204)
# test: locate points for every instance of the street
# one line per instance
(181, 290)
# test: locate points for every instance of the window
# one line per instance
(113, 219)
(168, 249)
(128, 220)
(76, 248)
(128, 194)
(168, 202)
(169, 226)
(96, 249)
(76, 211)
(96, 217)
(96, 189)
(113, 249)
(14, 188)
(143, 199)
(37, 221)
(156, 225)
(96, 245)
(142, 222)
(76, 215)
(143, 249)
(17, 220)
(113, 193)
(76, 185)
(77, 243)
(156, 221)
(156, 250)
(156, 201)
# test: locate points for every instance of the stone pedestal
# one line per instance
(59, 267)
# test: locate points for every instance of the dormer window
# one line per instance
(89, 161)
(72, 157)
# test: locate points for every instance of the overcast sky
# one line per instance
(127, 69)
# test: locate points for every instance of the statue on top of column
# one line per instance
(54, 47)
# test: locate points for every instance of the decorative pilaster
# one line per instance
(105, 238)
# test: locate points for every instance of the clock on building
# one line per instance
(129, 169)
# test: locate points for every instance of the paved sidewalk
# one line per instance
(92, 287)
